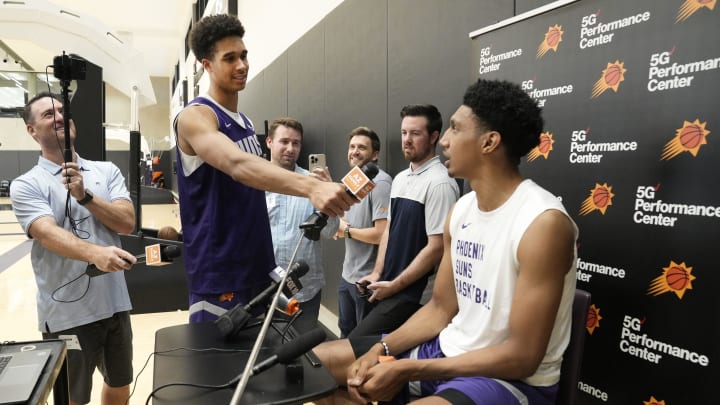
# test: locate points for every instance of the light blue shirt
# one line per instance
(41, 193)
(286, 214)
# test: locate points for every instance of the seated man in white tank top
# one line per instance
(498, 322)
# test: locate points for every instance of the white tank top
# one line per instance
(485, 269)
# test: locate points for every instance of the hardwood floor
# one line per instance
(18, 315)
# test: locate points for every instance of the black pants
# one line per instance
(387, 316)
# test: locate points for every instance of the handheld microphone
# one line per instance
(291, 350)
(358, 183)
(155, 255)
(234, 319)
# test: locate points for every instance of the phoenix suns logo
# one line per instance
(611, 77)
(676, 278)
(593, 319)
(653, 401)
(553, 37)
(689, 138)
(689, 7)
(600, 199)
(545, 145)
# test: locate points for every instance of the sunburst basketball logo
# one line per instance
(600, 198)
(545, 145)
(676, 278)
(653, 401)
(689, 138)
(553, 37)
(611, 77)
(689, 7)
(593, 319)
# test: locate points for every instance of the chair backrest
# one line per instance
(4, 188)
(572, 359)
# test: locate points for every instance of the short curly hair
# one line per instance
(504, 107)
(210, 30)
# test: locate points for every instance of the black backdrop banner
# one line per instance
(629, 91)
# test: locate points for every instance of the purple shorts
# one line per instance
(463, 390)
(208, 307)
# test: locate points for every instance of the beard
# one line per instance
(359, 162)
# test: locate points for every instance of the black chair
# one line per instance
(4, 188)
(572, 359)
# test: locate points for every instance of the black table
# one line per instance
(54, 376)
(215, 368)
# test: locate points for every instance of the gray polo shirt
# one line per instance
(61, 281)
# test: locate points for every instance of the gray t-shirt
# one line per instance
(360, 256)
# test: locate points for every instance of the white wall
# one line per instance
(13, 135)
(154, 121)
(271, 26)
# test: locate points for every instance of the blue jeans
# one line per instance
(352, 308)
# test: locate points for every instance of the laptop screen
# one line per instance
(21, 372)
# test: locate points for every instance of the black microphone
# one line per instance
(358, 183)
(166, 256)
(297, 270)
(235, 318)
(291, 350)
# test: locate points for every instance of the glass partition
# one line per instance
(17, 87)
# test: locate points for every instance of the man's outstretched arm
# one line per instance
(198, 135)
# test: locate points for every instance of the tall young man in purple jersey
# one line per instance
(222, 179)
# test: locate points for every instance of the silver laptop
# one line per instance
(20, 370)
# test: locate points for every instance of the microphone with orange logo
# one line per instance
(155, 255)
(358, 183)
(234, 320)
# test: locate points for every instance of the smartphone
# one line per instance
(362, 289)
(316, 160)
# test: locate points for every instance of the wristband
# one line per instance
(347, 232)
(385, 346)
